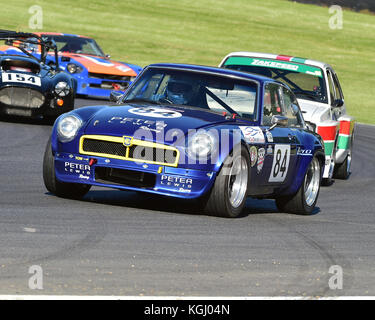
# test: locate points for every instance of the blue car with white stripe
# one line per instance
(95, 72)
(191, 132)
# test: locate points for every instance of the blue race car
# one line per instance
(95, 72)
(192, 132)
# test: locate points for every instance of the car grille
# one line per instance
(130, 178)
(108, 76)
(21, 97)
(110, 85)
(138, 150)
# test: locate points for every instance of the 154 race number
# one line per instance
(280, 163)
(20, 78)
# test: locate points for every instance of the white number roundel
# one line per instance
(155, 112)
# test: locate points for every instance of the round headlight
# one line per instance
(201, 145)
(62, 89)
(73, 68)
(68, 127)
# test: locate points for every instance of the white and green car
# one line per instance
(319, 95)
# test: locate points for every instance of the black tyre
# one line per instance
(304, 201)
(61, 189)
(342, 171)
(227, 197)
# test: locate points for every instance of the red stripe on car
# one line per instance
(327, 133)
(345, 127)
(284, 58)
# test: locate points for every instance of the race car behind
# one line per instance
(320, 97)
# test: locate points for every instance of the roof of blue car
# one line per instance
(223, 71)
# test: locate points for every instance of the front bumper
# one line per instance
(134, 176)
(49, 109)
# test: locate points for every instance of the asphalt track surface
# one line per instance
(122, 243)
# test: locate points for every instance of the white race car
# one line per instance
(319, 95)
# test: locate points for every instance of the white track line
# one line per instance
(71, 297)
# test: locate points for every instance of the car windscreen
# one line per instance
(76, 45)
(307, 82)
(213, 92)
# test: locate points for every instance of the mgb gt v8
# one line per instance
(191, 132)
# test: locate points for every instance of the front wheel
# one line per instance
(304, 201)
(61, 189)
(227, 197)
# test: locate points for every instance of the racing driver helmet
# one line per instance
(179, 91)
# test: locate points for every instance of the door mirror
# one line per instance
(107, 56)
(338, 103)
(278, 121)
(116, 96)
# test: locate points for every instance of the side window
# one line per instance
(271, 103)
(339, 94)
(291, 109)
(332, 92)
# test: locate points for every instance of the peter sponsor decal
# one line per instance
(150, 125)
(253, 134)
(181, 184)
(82, 170)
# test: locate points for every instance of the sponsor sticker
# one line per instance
(269, 149)
(253, 156)
(260, 163)
(274, 64)
(82, 170)
(304, 152)
(181, 184)
(297, 66)
(269, 136)
(253, 134)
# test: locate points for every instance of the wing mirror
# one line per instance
(278, 121)
(338, 103)
(116, 96)
(108, 56)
